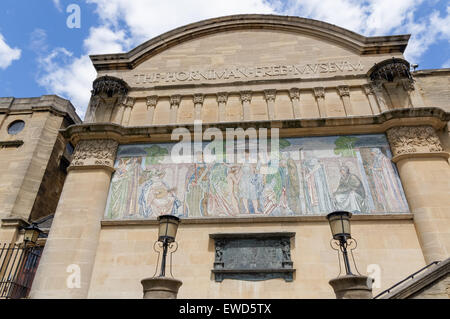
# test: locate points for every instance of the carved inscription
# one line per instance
(246, 72)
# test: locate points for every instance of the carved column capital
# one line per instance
(319, 92)
(175, 100)
(344, 90)
(128, 101)
(94, 153)
(368, 89)
(152, 100)
(270, 95)
(198, 98)
(294, 93)
(413, 139)
(246, 96)
(222, 97)
(408, 84)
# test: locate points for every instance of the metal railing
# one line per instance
(407, 278)
(18, 264)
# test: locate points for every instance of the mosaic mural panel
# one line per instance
(315, 175)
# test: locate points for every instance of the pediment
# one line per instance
(249, 47)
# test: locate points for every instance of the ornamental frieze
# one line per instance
(413, 139)
(95, 152)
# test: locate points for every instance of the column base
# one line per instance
(352, 287)
(161, 288)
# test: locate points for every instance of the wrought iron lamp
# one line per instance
(168, 226)
(340, 229)
(32, 233)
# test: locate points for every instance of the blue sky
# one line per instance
(40, 54)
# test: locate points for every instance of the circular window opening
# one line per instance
(16, 127)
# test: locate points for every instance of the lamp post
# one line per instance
(168, 226)
(162, 287)
(350, 286)
(340, 229)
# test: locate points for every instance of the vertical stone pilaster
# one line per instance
(222, 98)
(198, 104)
(319, 93)
(415, 98)
(73, 238)
(294, 94)
(151, 106)
(246, 99)
(368, 90)
(425, 175)
(175, 101)
(127, 105)
(381, 96)
(344, 93)
(270, 96)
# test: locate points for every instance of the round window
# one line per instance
(16, 127)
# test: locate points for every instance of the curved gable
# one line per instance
(321, 31)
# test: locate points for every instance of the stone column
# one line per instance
(66, 265)
(175, 101)
(222, 98)
(344, 92)
(151, 105)
(368, 89)
(246, 99)
(294, 93)
(319, 92)
(352, 287)
(270, 96)
(198, 104)
(425, 174)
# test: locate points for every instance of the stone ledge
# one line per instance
(14, 222)
(270, 219)
(398, 158)
(91, 167)
(435, 117)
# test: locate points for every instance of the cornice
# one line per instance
(435, 117)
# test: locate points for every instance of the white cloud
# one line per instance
(68, 76)
(57, 4)
(7, 54)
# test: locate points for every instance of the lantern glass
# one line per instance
(340, 224)
(168, 226)
(31, 234)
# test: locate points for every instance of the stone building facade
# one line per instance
(34, 157)
(358, 130)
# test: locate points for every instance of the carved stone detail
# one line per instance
(95, 152)
(175, 100)
(270, 95)
(408, 85)
(294, 93)
(222, 97)
(413, 139)
(246, 96)
(110, 86)
(152, 101)
(319, 92)
(344, 90)
(128, 101)
(368, 89)
(198, 98)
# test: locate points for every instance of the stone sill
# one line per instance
(260, 219)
